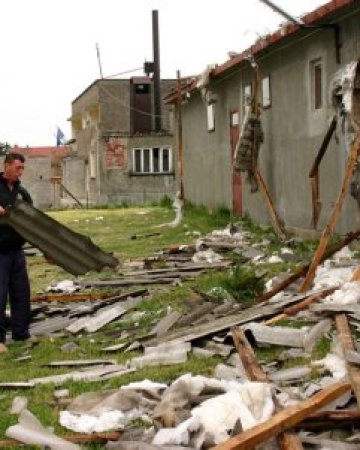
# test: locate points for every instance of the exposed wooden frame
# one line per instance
(303, 270)
(314, 173)
(354, 153)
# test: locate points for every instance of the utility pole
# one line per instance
(179, 133)
(99, 60)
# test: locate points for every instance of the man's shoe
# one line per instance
(3, 348)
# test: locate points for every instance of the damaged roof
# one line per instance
(318, 16)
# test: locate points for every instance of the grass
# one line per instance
(111, 229)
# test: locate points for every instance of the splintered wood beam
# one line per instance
(286, 441)
(276, 221)
(347, 345)
(314, 172)
(315, 196)
(303, 270)
(292, 310)
(356, 275)
(354, 153)
(284, 419)
(246, 353)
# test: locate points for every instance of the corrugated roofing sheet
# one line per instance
(72, 251)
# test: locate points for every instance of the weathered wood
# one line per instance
(356, 275)
(289, 441)
(323, 420)
(276, 221)
(344, 332)
(315, 197)
(253, 369)
(314, 172)
(286, 441)
(303, 270)
(284, 419)
(323, 146)
(354, 153)
(292, 310)
(93, 438)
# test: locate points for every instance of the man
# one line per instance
(14, 280)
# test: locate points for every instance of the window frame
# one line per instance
(142, 150)
(266, 104)
(317, 84)
(210, 116)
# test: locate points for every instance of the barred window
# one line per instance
(152, 160)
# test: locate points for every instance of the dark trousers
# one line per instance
(14, 284)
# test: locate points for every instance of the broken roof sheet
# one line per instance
(75, 253)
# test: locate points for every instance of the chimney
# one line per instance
(156, 78)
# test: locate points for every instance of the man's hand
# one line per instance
(2, 211)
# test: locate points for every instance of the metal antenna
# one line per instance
(282, 12)
(99, 60)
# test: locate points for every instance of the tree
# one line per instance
(5, 148)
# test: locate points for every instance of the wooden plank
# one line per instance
(289, 441)
(94, 438)
(284, 419)
(292, 310)
(314, 172)
(344, 332)
(315, 197)
(253, 369)
(276, 222)
(303, 270)
(286, 441)
(354, 153)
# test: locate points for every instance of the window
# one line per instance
(211, 117)
(316, 84)
(234, 118)
(266, 93)
(142, 88)
(152, 160)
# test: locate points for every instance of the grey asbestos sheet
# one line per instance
(284, 336)
(94, 374)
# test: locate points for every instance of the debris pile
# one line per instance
(268, 375)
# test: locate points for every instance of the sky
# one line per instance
(48, 50)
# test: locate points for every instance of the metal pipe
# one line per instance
(283, 13)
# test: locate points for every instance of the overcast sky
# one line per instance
(48, 49)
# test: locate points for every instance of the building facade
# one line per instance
(296, 66)
(43, 176)
(117, 155)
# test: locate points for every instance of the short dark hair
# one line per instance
(10, 157)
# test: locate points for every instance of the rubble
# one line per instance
(241, 393)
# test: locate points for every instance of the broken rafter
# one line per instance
(277, 223)
(284, 419)
(286, 441)
(347, 345)
(355, 150)
(303, 270)
(314, 172)
(292, 310)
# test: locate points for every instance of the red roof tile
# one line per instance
(34, 152)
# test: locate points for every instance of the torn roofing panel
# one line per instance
(75, 253)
